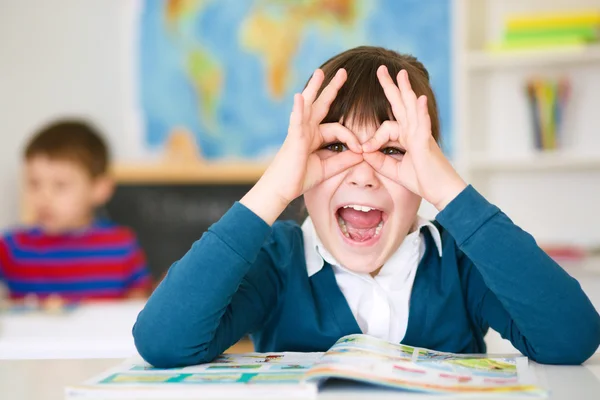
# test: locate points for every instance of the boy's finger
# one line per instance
(322, 104)
(312, 87)
(381, 137)
(296, 116)
(409, 98)
(339, 163)
(424, 118)
(389, 131)
(385, 165)
(297, 110)
(335, 131)
(392, 93)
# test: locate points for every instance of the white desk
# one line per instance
(101, 330)
(46, 380)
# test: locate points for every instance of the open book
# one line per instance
(300, 375)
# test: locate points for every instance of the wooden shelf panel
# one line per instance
(551, 161)
(483, 60)
(192, 173)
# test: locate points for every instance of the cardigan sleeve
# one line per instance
(221, 290)
(516, 288)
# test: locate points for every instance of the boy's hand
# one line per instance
(424, 169)
(296, 167)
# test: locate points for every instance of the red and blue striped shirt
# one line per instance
(103, 261)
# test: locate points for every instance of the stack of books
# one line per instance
(549, 30)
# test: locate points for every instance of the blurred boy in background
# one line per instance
(69, 254)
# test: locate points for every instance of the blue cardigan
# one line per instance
(244, 277)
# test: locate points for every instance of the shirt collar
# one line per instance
(95, 224)
(316, 254)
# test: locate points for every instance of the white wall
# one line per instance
(63, 57)
(76, 57)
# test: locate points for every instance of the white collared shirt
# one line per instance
(379, 304)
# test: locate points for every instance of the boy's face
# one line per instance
(362, 241)
(62, 194)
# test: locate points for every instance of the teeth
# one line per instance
(378, 229)
(359, 208)
(343, 227)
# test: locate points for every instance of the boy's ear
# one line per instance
(104, 187)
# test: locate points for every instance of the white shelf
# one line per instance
(550, 161)
(549, 194)
(483, 60)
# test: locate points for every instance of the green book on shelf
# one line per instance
(538, 43)
(587, 33)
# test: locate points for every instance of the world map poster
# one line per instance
(224, 72)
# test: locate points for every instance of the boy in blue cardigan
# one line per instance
(363, 151)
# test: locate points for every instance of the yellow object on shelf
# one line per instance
(554, 20)
(548, 30)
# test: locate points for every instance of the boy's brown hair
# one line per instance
(72, 140)
(362, 97)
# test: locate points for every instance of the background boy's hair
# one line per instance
(362, 98)
(72, 140)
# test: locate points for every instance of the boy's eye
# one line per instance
(335, 147)
(391, 151)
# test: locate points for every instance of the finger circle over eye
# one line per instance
(335, 131)
(392, 128)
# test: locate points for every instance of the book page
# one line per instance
(247, 362)
(368, 359)
(251, 374)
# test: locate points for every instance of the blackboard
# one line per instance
(168, 218)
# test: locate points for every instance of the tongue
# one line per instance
(359, 219)
(360, 225)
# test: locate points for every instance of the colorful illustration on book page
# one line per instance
(290, 367)
(502, 370)
(373, 345)
(432, 355)
(128, 378)
(267, 358)
(233, 366)
(251, 362)
(201, 378)
(350, 354)
(425, 377)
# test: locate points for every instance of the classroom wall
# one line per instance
(68, 58)
(77, 57)
(63, 57)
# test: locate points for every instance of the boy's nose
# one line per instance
(363, 175)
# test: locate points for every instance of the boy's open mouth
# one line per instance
(360, 223)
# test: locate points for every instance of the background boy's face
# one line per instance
(374, 235)
(62, 194)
